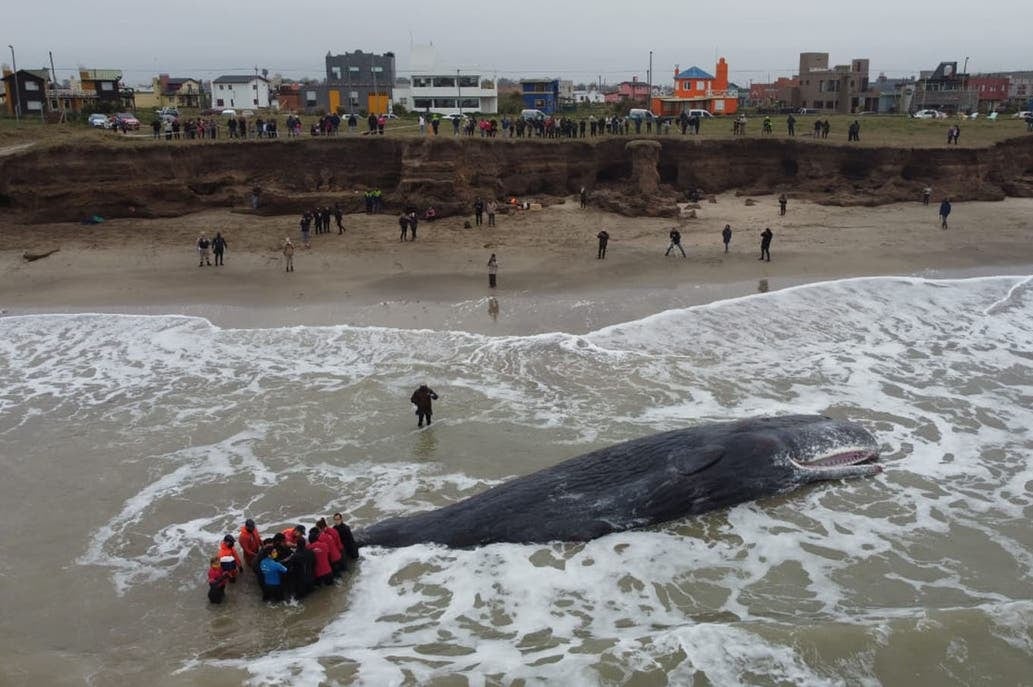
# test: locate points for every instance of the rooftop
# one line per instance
(694, 73)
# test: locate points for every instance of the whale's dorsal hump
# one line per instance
(688, 460)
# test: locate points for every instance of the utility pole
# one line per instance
(649, 95)
(459, 94)
(53, 79)
(17, 90)
(258, 100)
(373, 73)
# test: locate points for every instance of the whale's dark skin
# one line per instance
(645, 481)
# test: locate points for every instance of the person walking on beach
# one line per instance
(422, 398)
(338, 216)
(945, 210)
(414, 222)
(403, 224)
(288, 254)
(782, 202)
(203, 248)
(726, 235)
(219, 247)
(583, 198)
(927, 193)
(675, 242)
(765, 244)
(493, 270)
(604, 238)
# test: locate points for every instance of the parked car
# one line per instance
(1025, 114)
(126, 120)
(99, 121)
(452, 115)
(640, 114)
(533, 114)
(168, 111)
(702, 114)
(929, 114)
(808, 111)
(229, 113)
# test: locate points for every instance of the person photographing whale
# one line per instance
(422, 399)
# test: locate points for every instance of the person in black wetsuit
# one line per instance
(726, 235)
(604, 238)
(219, 247)
(422, 398)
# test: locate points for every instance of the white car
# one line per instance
(1022, 115)
(99, 121)
(929, 114)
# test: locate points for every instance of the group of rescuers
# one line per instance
(295, 561)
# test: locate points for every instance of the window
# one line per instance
(539, 103)
(449, 103)
(353, 70)
(376, 69)
(255, 102)
(470, 103)
(219, 103)
(444, 82)
(31, 86)
(469, 81)
(310, 99)
(106, 85)
(220, 87)
(701, 85)
(255, 87)
(33, 105)
(353, 96)
(421, 82)
(336, 72)
(422, 103)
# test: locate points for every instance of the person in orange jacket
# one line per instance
(228, 558)
(250, 542)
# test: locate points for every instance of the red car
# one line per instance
(126, 120)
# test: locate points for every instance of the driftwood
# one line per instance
(32, 257)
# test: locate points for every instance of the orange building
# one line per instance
(694, 89)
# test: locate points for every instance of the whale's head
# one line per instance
(798, 449)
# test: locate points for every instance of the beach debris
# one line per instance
(33, 257)
(750, 202)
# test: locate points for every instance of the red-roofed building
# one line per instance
(992, 90)
(629, 90)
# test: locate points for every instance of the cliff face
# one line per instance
(71, 182)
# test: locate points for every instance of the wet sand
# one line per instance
(549, 276)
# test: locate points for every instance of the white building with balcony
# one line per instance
(242, 92)
(434, 87)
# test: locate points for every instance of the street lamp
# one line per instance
(17, 90)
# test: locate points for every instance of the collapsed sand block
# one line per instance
(645, 156)
(750, 202)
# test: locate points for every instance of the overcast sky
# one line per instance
(577, 40)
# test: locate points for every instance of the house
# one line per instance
(541, 94)
(26, 91)
(991, 91)
(777, 94)
(590, 96)
(288, 97)
(944, 89)
(105, 85)
(695, 89)
(178, 91)
(146, 98)
(244, 91)
(436, 87)
(843, 88)
(355, 82)
(629, 90)
(894, 95)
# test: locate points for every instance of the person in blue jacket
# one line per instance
(272, 576)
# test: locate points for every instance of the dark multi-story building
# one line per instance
(26, 91)
(944, 89)
(356, 82)
(842, 89)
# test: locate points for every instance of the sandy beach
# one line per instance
(549, 277)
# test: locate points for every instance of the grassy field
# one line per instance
(879, 130)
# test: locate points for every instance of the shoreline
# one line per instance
(549, 277)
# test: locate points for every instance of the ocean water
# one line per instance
(129, 445)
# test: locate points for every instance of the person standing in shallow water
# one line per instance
(945, 210)
(765, 244)
(422, 398)
(493, 270)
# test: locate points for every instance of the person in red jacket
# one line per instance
(228, 558)
(324, 574)
(329, 537)
(216, 581)
(250, 542)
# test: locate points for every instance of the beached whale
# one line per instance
(645, 481)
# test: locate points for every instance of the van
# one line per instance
(702, 114)
(643, 115)
(531, 115)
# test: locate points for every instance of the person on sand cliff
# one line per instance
(288, 254)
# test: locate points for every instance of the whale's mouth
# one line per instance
(841, 458)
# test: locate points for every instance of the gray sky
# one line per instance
(761, 39)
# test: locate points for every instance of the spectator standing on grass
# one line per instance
(791, 124)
